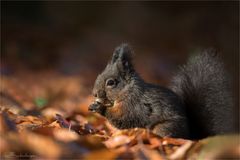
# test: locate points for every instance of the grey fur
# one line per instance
(135, 103)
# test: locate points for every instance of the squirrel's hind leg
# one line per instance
(170, 129)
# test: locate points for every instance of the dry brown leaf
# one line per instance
(41, 145)
(45, 130)
(54, 124)
(6, 124)
(180, 153)
(174, 141)
(62, 121)
(38, 144)
(154, 142)
(145, 153)
(103, 154)
(50, 113)
(65, 135)
(117, 141)
(4, 145)
(29, 122)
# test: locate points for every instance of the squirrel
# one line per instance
(197, 104)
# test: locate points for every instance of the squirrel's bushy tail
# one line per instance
(204, 88)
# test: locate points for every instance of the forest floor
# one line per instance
(45, 116)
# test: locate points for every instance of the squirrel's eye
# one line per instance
(110, 82)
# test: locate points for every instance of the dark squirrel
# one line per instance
(197, 104)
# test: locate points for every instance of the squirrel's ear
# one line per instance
(122, 56)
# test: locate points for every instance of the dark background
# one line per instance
(79, 37)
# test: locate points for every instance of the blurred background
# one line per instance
(78, 38)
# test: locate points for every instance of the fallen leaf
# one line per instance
(117, 141)
(104, 154)
(65, 135)
(180, 153)
(63, 123)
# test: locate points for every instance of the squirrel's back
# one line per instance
(204, 88)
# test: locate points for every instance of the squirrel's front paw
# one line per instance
(94, 107)
(97, 107)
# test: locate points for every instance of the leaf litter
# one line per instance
(47, 118)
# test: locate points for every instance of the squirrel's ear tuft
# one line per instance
(123, 56)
